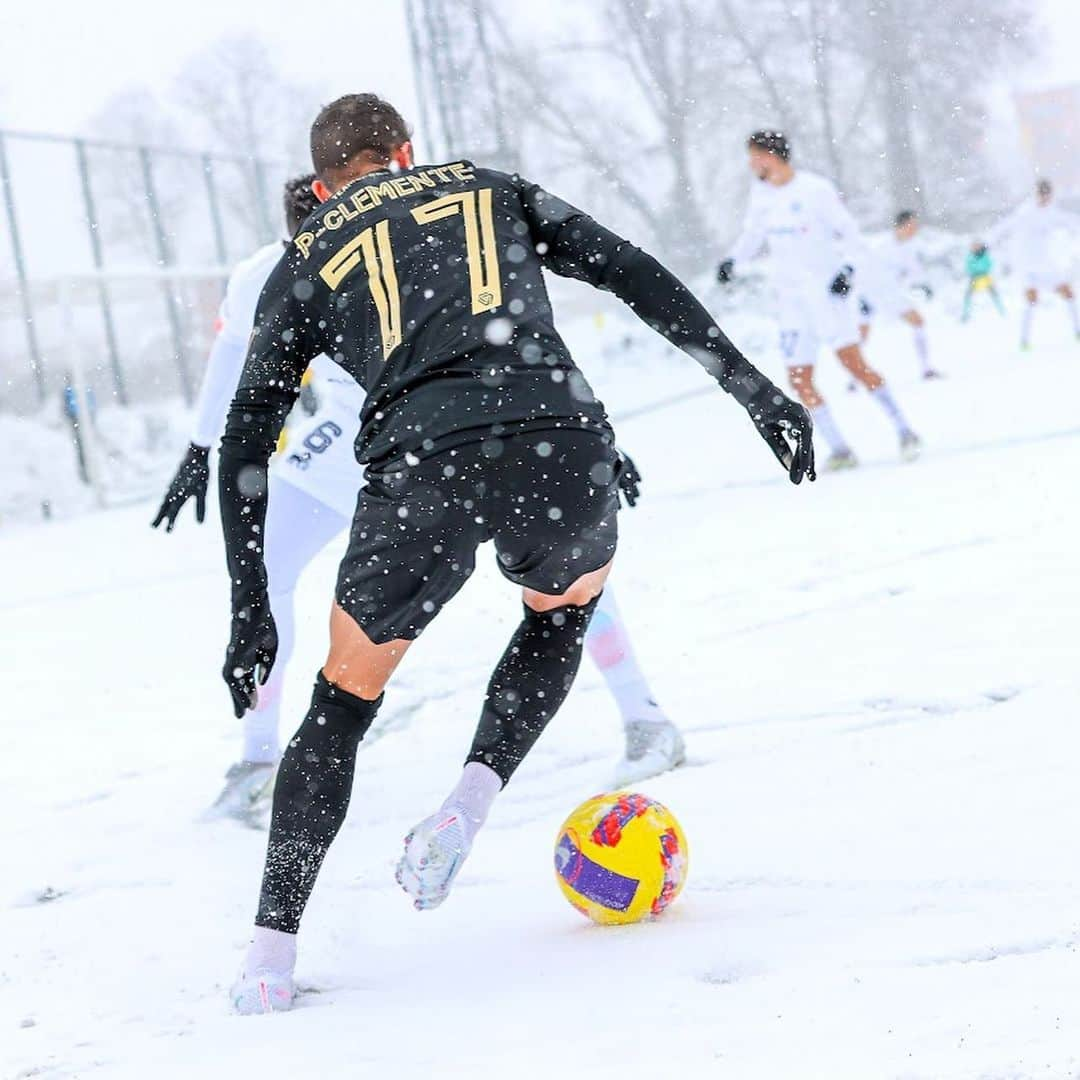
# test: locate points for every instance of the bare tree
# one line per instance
(239, 103)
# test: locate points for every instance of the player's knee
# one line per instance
(357, 664)
(580, 594)
(801, 380)
(1031, 295)
(1066, 292)
(913, 318)
(852, 359)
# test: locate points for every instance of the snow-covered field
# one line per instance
(878, 677)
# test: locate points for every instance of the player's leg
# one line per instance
(914, 319)
(1065, 291)
(852, 358)
(550, 506)
(969, 294)
(1031, 296)
(801, 379)
(653, 743)
(298, 527)
(399, 570)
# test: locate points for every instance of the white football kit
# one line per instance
(889, 277)
(1037, 239)
(811, 238)
(318, 453)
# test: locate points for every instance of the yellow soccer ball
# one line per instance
(621, 858)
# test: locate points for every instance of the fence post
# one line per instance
(215, 210)
(265, 228)
(165, 258)
(99, 264)
(26, 303)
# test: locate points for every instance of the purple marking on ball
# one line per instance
(591, 880)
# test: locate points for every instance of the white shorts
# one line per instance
(832, 322)
(319, 458)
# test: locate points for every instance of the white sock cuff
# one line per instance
(271, 950)
(476, 790)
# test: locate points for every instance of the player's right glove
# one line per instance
(725, 271)
(841, 284)
(627, 478)
(253, 646)
(778, 420)
(190, 481)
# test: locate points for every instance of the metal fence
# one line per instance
(79, 205)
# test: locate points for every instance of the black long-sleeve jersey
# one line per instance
(427, 287)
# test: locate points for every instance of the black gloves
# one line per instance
(725, 271)
(190, 481)
(775, 416)
(628, 478)
(252, 650)
(841, 284)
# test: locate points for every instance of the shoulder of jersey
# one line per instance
(816, 181)
(258, 263)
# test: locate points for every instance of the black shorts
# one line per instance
(547, 499)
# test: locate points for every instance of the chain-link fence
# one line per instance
(73, 206)
(113, 264)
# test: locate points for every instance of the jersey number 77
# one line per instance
(372, 247)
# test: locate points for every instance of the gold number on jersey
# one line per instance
(485, 282)
(372, 248)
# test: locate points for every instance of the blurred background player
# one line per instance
(814, 243)
(891, 281)
(979, 266)
(1034, 232)
(313, 486)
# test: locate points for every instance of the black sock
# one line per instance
(311, 796)
(529, 684)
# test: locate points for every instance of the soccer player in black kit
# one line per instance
(425, 283)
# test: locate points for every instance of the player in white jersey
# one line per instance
(897, 272)
(815, 244)
(314, 482)
(1035, 232)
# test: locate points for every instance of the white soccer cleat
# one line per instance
(262, 992)
(652, 747)
(840, 460)
(434, 853)
(247, 794)
(910, 446)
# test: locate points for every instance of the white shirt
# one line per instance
(1034, 232)
(236, 317)
(809, 232)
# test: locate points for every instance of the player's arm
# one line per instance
(574, 245)
(223, 367)
(282, 343)
(748, 244)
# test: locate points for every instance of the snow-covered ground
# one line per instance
(878, 679)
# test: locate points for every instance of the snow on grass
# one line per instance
(878, 680)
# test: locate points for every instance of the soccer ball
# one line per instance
(620, 858)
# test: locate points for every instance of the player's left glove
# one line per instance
(190, 482)
(841, 284)
(252, 650)
(778, 420)
(627, 477)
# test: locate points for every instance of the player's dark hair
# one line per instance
(1043, 186)
(772, 142)
(298, 200)
(904, 217)
(355, 127)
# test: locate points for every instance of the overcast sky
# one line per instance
(64, 58)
